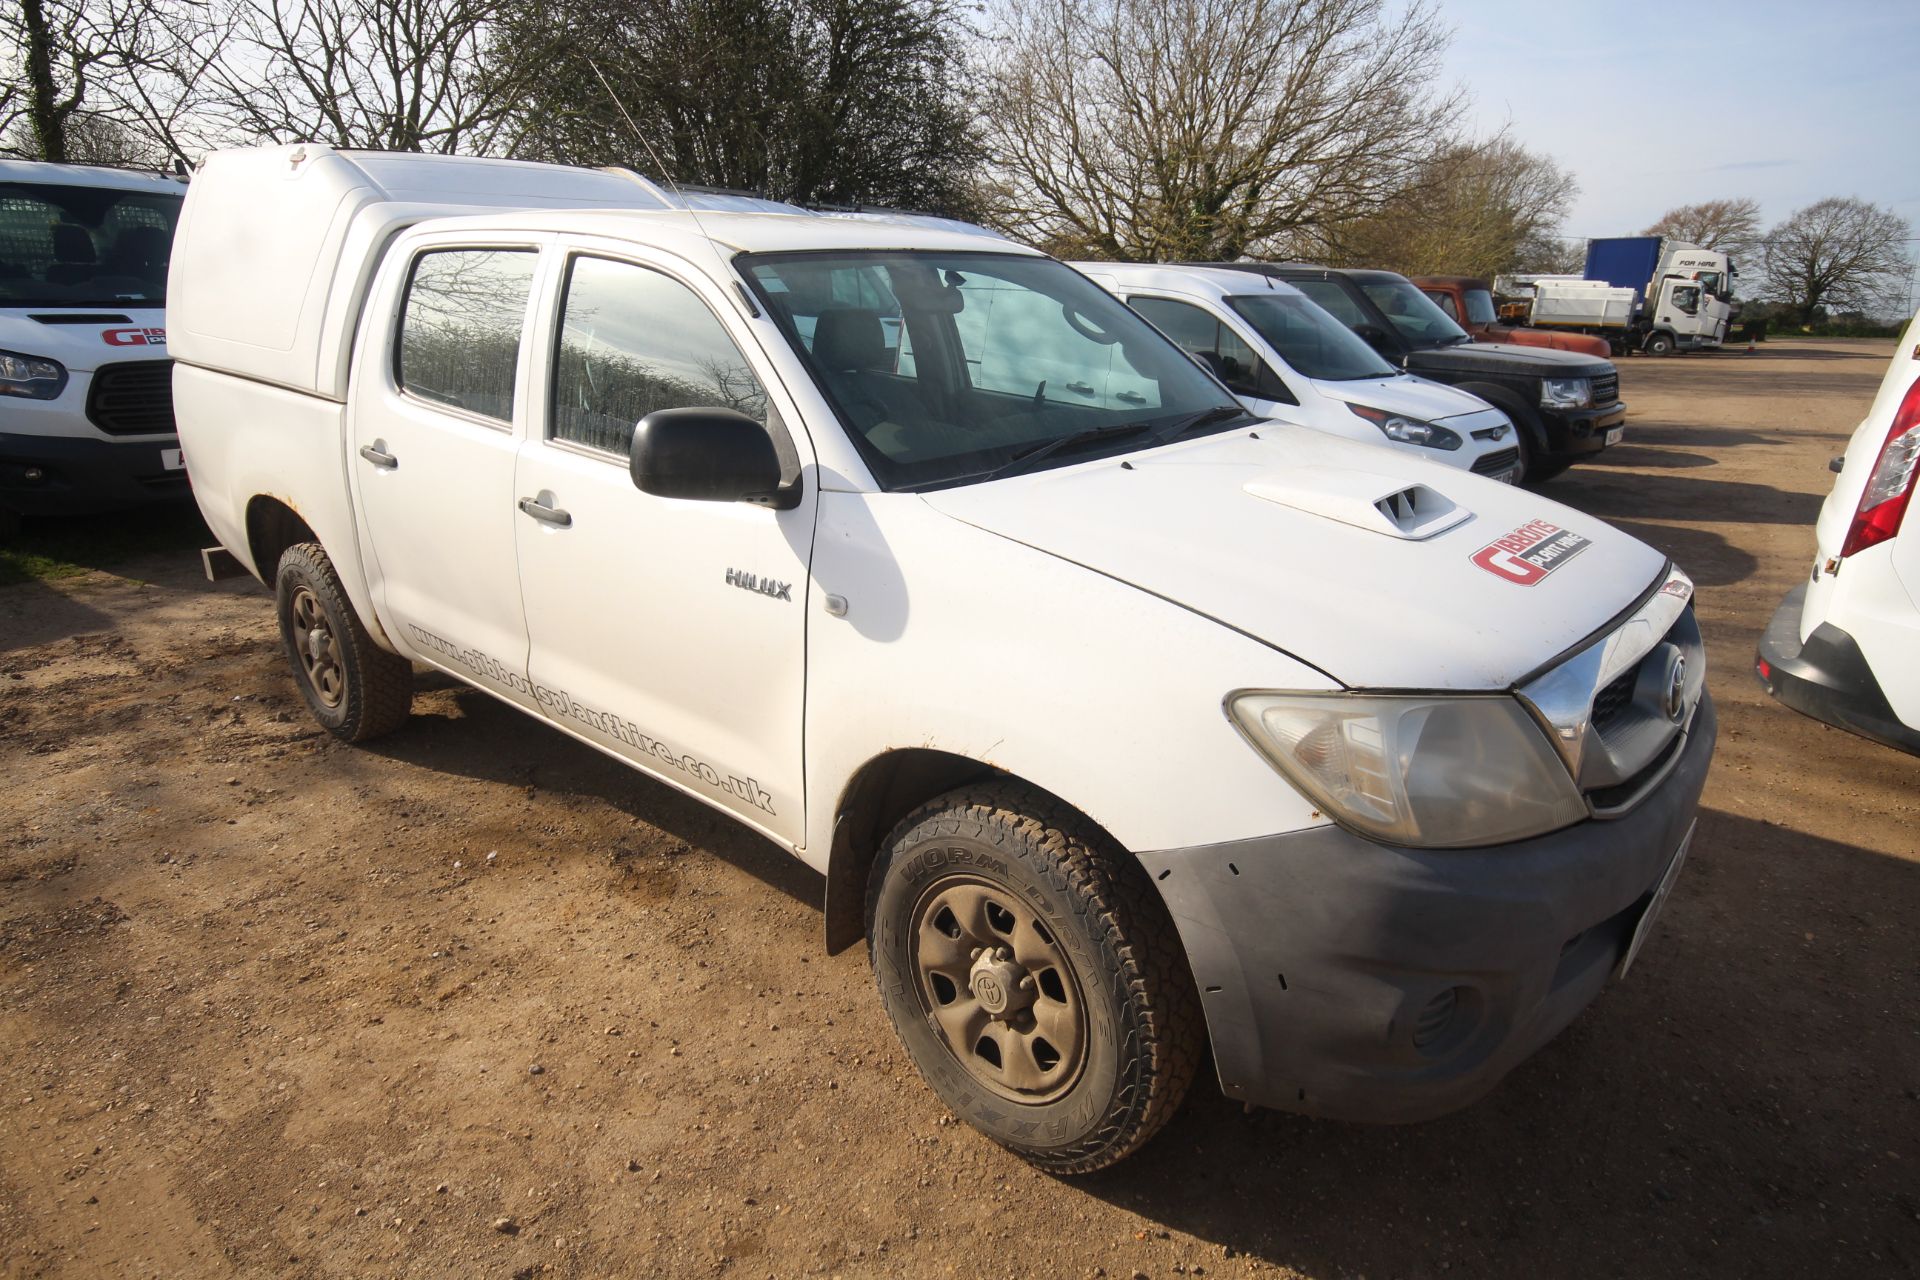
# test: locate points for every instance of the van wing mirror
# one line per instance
(707, 455)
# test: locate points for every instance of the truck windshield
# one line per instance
(1313, 342)
(945, 367)
(1480, 307)
(64, 246)
(1412, 313)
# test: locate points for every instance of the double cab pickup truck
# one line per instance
(1116, 722)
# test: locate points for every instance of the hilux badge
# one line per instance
(765, 586)
(1531, 552)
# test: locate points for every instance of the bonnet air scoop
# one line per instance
(1364, 500)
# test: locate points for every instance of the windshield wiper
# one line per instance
(1039, 452)
(1194, 421)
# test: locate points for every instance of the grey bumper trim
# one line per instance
(1361, 981)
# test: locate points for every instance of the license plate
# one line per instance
(173, 459)
(1614, 434)
(1647, 917)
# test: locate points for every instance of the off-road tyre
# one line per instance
(363, 691)
(1145, 1031)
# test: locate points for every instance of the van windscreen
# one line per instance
(66, 246)
(1307, 338)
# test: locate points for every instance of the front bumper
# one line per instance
(80, 475)
(1575, 433)
(1361, 981)
(1827, 678)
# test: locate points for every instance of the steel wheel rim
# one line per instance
(997, 989)
(319, 652)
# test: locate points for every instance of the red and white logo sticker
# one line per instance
(1530, 552)
(134, 337)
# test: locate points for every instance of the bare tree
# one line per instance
(1839, 252)
(1731, 226)
(1474, 209)
(62, 58)
(397, 75)
(1159, 129)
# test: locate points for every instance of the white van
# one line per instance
(1842, 645)
(1285, 358)
(1113, 721)
(86, 412)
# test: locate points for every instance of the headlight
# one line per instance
(1432, 772)
(31, 376)
(1566, 393)
(1397, 426)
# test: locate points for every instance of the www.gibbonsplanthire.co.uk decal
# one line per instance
(1531, 552)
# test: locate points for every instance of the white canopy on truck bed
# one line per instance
(275, 269)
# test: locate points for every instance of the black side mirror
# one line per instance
(1375, 338)
(708, 455)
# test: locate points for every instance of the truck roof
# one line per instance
(1453, 282)
(790, 230)
(42, 173)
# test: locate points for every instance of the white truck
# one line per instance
(86, 422)
(1112, 723)
(1640, 293)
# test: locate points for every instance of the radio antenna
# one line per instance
(666, 174)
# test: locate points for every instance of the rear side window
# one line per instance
(460, 332)
(633, 341)
(1202, 334)
(1444, 301)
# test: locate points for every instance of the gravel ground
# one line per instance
(477, 1001)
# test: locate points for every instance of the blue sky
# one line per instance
(1654, 105)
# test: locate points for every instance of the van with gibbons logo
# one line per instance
(86, 420)
(1119, 723)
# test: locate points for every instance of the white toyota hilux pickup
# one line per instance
(1114, 721)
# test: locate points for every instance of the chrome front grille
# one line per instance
(1606, 389)
(1617, 709)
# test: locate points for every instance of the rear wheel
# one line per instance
(1034, 976)
(354, 688)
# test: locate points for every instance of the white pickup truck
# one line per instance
(1113, 721)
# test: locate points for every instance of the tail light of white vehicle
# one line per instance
(1883, 505)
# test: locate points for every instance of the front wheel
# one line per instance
(354, 688)
(1659, 344)
(1034, 976)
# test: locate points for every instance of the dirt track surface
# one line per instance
(480, 1002)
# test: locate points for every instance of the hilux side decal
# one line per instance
(560, 703)
(765, 586)
(1530, 553)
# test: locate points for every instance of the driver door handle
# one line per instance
(545, 514)
(379, 457)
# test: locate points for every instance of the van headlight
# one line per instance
(1431, 772)
(1566, 393)
(34, 377)
(1398, 426)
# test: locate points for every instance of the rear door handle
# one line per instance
(379, 457)
(545, 514)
